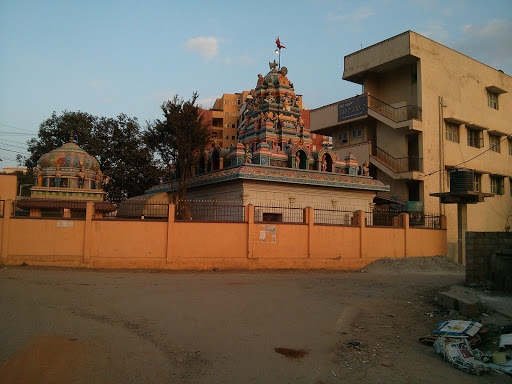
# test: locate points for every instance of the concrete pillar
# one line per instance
(35, 212)
(88, 235)
(462, 227)
(309, 219)
(358, 220)
(442, 222)
(4, 240)
(404, 218)
(251, 227)
(170, 234)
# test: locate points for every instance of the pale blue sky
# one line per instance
(110, 57)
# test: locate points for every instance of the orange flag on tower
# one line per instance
(278, 43)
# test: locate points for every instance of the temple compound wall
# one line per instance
(203, 245)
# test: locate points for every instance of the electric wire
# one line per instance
(15, 142)
(466, 161)
(12, 126)
(10, 150)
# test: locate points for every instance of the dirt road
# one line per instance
(63, 326)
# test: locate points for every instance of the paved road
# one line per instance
(62, 326)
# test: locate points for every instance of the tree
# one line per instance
(179, 139)
(57, 130)
(125, 160)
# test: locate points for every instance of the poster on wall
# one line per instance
(267, 234)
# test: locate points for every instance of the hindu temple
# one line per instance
(273, 161)
(65, 179)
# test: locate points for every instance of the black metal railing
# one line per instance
(397, 114)
(276, 213)
(383, 218)
(398, 164)
(422, 220)
(393, 218)
(138, 210)
(210, 210)
(333, 216)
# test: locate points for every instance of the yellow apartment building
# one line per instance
(223, 117)
(427, 109)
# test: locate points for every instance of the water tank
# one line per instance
(461, 180)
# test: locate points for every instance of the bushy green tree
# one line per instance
(117, 143)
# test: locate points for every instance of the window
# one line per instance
(452, 132)
(477, 182)
(226, 113)
(492, 100)
(232, 137)
(357, 133)
(214, 135)
(494, 143)
(497, 185)
(227, 125)
(510, 147)
(226, 102)
(227, 137)
(237, 101)
(475, 138)
(274, 217)
(343, 138)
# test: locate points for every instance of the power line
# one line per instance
(467, 161)
(15, 146)
(15, 142)
(18, 133)
(10, 150)
(12, 126)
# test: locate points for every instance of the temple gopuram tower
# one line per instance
(271, 123)
(274, 161)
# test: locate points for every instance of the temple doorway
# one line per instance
(215, 160)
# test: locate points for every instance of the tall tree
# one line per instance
(125, 160)
(179, 139)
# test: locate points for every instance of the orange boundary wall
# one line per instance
(145, 244)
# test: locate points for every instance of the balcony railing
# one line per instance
(398, 164)
(397, 114)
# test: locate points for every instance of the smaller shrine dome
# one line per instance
(69, 155)
(272, 79)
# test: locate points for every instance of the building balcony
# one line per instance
(396, 167)
(324, 119)
(397, 114)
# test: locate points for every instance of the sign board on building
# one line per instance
(352, 108)
(414, 206)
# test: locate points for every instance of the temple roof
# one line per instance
(278, 174)
(69, 155)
